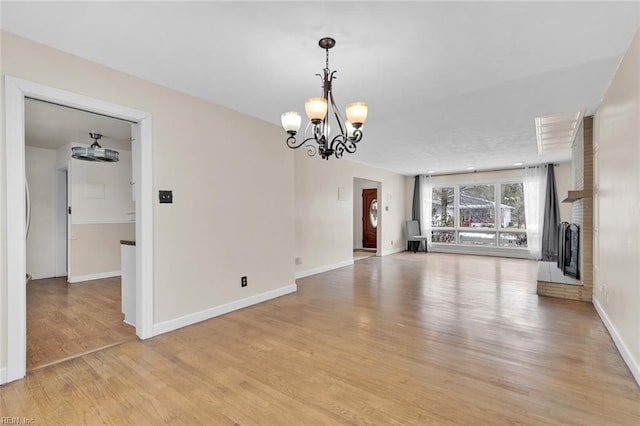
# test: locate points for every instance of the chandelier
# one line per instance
(350, 131)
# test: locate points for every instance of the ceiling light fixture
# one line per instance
(557, 132)
(317, 110)
(95, 152)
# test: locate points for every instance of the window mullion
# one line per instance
(456, 211)
(498, 211)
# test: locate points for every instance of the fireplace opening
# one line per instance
(569, 249)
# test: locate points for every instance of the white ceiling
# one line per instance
(52, 126)
(450, 85)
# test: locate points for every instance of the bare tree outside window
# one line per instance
(477, 206)
(512, 215)
(442, 208)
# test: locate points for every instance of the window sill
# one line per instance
(517, 252)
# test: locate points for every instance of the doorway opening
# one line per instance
(80, 210)
(366, 218)
(16, 93)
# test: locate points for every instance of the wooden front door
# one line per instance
(369, 218)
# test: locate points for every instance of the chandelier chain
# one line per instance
(327, 58)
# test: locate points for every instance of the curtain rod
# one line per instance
(488, 170)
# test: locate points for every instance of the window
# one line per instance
(512, 216)
(478, 238)
(448, 237)
(469, 215)
(477, 206)
(442, 208)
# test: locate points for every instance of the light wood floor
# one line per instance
(68, 320)
(422, 338)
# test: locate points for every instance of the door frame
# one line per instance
(381, 210)
(16, 90)
(62, 221)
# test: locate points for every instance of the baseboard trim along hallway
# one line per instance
(325, 268)
(91, 277)
(174, 324)
(622, 348)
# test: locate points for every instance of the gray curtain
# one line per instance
(551, 217)
(416, 208)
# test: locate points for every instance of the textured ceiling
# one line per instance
(450, 85)
(51, 126)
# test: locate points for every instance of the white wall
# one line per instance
(61, 217)
(100, 192)
(324, 224)
(95, 249)
(617, 262)
(41, 174)
(63, 156)
(223, 224)
(102, 214)
(358, 186)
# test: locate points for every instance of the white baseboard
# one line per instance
(325, 268)
(42, 276)
(90, 277)
(3, 376)
(174, 324)
(393, 251)
(622, 348)
(47, 275)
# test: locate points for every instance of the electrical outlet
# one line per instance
(166, 196)
(243, 281)
(391, 242)
(298, 261)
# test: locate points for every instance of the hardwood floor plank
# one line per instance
(68, 320)
(420, 339)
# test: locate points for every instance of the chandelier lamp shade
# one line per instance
(319, 110)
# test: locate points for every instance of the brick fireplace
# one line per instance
(580, 288)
